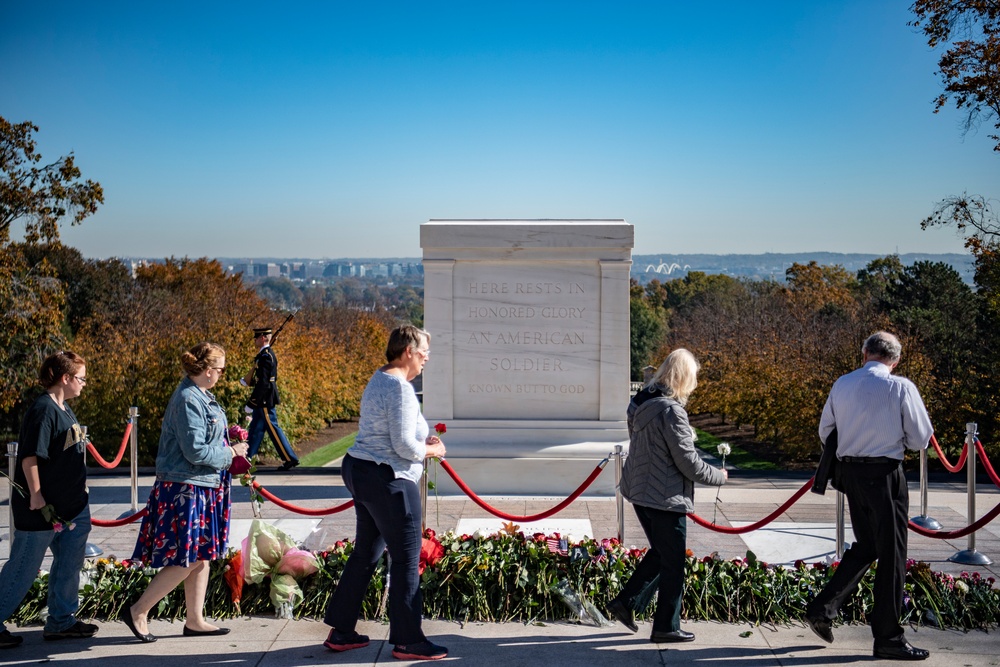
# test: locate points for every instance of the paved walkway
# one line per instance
(266, 642)
(804, 531)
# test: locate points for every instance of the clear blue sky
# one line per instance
(334, 129)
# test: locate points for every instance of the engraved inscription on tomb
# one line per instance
(527, 337)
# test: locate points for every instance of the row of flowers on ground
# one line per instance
(513, 577)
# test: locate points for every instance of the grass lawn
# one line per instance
(738, 458)
(327, 453)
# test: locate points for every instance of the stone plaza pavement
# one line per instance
(804, 531)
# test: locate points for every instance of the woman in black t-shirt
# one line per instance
(50, 504)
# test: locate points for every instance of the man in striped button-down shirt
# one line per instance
(877, 416)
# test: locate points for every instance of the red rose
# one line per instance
(440, 428)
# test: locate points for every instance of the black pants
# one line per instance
(388, 514)
(879, 502)
(667, 536)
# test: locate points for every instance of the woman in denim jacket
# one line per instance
(187, 521)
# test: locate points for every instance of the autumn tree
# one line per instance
(31, 296)
(37, 194)
(31, 302)
(936, 313)
(970, 65)
(770, 351)
(133, 344)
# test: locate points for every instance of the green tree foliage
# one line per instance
(649, 326)
(976, 218)
(89, 284)
(40, 195)
(970, 66)
(932, 308)
(280, 293)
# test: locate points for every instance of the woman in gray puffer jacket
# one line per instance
(659, 476)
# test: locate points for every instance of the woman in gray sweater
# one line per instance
(381, 471)
(658, 479)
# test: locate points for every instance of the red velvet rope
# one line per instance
(121, 452)
(300, 510)
(531, 517)
(961, 532)
(729, 530)
(947, 466)
(986, 464)
(114, 523)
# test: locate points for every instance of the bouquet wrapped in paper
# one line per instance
(269, 552)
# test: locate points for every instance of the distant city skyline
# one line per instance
(645, 267)
(333, 128)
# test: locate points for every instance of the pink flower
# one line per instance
(237, 433)
(297, 563)
(57, 527)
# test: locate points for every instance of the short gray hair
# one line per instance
(883, 346)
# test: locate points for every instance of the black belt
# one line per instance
(868, 459)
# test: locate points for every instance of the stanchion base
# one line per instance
(926, 522)
(970, 557)
(127, 513)
(92, 551)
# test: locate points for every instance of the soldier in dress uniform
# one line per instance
(263, 377)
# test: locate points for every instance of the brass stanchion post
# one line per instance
(841, 528)
(133, 415)
(619, 500)
(923, 520)
(11, 466)
(970, 556)
(90, 550)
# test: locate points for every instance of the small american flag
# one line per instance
(558, 545)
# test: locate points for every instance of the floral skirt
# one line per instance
(184, 523)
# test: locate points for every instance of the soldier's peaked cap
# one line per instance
(261, 331)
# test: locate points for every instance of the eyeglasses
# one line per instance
(423, 352)
(221, 369)
(81, 380)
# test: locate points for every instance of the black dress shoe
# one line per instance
(623, 614)
(130, 624)
(900, 652)
(823, 628)
(288, 465)
(188, 632)
(78, 630)
(675, 636)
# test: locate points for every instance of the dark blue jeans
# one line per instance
(27, 550)
(667, 536)
(388, 515)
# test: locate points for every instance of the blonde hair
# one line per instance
(201, 357)
(677, 376)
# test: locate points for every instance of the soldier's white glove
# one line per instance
(247, 409)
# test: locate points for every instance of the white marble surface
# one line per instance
(530, 347)
(784, 543)
(575, 528)
(528, 340)
(303, 531)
